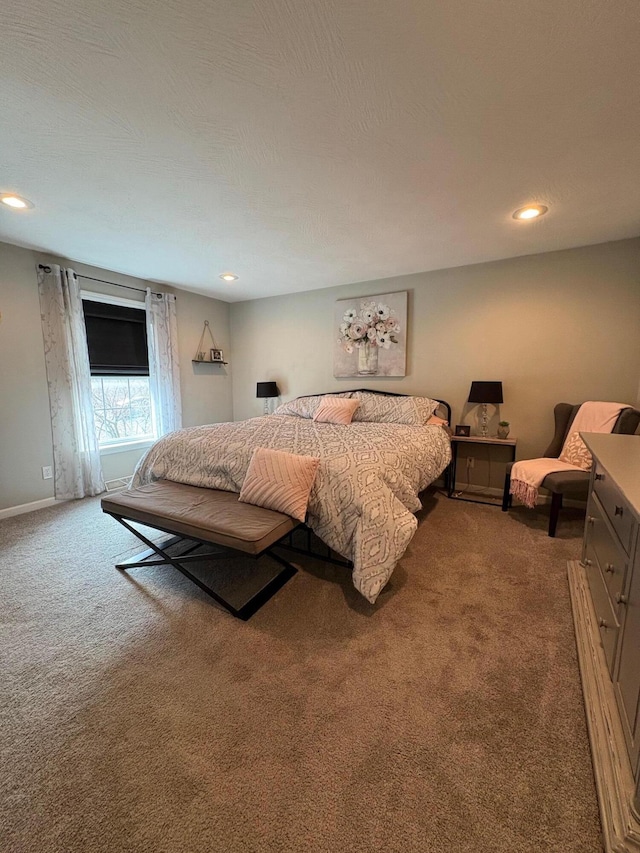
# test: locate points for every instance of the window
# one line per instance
(122, 408)
(118, 357)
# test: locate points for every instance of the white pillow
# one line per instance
(381, 409)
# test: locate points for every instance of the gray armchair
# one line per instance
(572, 483)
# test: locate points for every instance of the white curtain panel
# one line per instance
(164, 364)
(76, 455)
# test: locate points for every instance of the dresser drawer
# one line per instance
(611, 558)
(607, 622)
(615, 506)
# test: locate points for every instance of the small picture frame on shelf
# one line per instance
(463, 429)
(217, 355)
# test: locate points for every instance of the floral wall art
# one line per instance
(371, 336)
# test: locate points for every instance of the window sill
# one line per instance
(108, 449)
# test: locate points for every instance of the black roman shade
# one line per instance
(117, 339)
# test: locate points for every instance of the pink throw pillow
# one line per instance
(280, 481)
(336, 410)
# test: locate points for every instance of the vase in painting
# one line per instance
(367, 360)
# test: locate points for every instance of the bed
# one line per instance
(368, 480)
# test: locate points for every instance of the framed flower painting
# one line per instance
(371, 336)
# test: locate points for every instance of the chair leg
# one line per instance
(556, 506)
(507, 499)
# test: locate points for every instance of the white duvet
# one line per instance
(365, 492)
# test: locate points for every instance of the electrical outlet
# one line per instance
(470, 461)
(47, 472)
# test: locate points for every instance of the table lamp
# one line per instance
(485, 392)
(267, 390)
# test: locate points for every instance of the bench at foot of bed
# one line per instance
(196, 517)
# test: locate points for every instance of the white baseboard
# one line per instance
(30, 507)
(492, 492)
(475, 489)
(567, 502)
(10, 511)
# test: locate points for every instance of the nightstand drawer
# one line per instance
(615, 506)
(611, 558)
(607, 622)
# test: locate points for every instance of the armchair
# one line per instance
(572, 483)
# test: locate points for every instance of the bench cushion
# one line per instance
(208, 514)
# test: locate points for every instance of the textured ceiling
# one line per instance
(309, 143)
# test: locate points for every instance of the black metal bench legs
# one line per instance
(157, 555)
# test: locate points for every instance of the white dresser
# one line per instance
(605, 595)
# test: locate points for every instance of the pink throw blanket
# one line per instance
(527, 476)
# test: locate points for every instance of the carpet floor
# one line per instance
(137, 716)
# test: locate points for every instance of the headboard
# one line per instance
(443, 410)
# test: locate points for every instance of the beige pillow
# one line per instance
(336, 410)
(575, 452)
(280, 481)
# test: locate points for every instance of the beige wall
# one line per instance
(25, 432)
(553, 327)
(206, 388)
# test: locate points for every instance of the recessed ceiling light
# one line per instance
(228, 276)
(15, 201)
(531, 211)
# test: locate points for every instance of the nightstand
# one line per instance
(456, 441)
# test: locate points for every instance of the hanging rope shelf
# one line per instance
(206, 354)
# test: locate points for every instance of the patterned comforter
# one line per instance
(365, 492)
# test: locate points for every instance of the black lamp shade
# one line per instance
(486, 392)
(267, 389)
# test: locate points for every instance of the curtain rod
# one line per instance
(102, 281)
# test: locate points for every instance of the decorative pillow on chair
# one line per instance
(575, 452)
(280, 481)
(336, 410)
